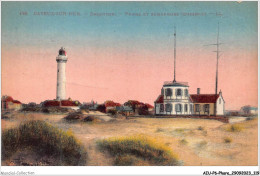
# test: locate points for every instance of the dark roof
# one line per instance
(49, 103)
(109, 103)
(7, 98)
(159, 99)
(148, 105)
(17, 102)
(10, 99)
(204, 98)
(175, 83)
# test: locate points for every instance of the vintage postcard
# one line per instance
(153, 83)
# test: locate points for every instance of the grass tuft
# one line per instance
(46, 140)
(159, 130)
(227, 140)
(234, 128)
(202, 144)
(201, 128)
(183, 142)
(180, 130)
(133, 150)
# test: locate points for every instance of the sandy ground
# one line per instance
(203, 146)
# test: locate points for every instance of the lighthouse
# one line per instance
(61, 74)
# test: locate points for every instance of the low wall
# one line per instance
(219, 118)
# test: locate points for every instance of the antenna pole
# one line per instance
(216, 91)
(174, 80)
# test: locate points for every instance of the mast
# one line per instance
(216, 91)
(218, 55)
(217, 51)
(174, 80)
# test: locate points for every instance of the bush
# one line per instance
(91, 119)
(200, 128)
(183, 142)
(74, 116)
(202, 144)
(142, 147)
(235, 128)
(45, 140)
(143, 110)
(159, 130)
(112, 111)
(129, 160)
(228, 140)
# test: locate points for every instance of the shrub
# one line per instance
(200, 128)
(101, 108)
(112, 111)
(228, 140)
(183, 142)
(159, 130)
(45, 140)
(235, 128)
(143, 110)
(180, 130)
(91, 119)
(129, 160)
(202, 144)
(144, 147)
(74, 116)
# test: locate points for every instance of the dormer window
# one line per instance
(178, 92)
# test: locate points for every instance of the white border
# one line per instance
(130, 170)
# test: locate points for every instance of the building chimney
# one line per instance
(198, 91)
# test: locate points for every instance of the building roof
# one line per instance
(57, 103)
(10, 99)
(159, 99)
(111, 104)
(148, 105)
(17, 102)
(204, 98)
(175, 83)
(250, 107)
(7, 98)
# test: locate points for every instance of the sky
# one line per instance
(129, 54)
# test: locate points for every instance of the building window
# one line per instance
(186, 92)
(168, 107)
(197, 108)
(219, 101)
(168, 92)
(191, 108)
(186, 108)
(162, 91)
(178, 107)
(161, 107)
(206, 108)
(178, 92)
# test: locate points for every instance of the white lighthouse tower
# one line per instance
(61, 74)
